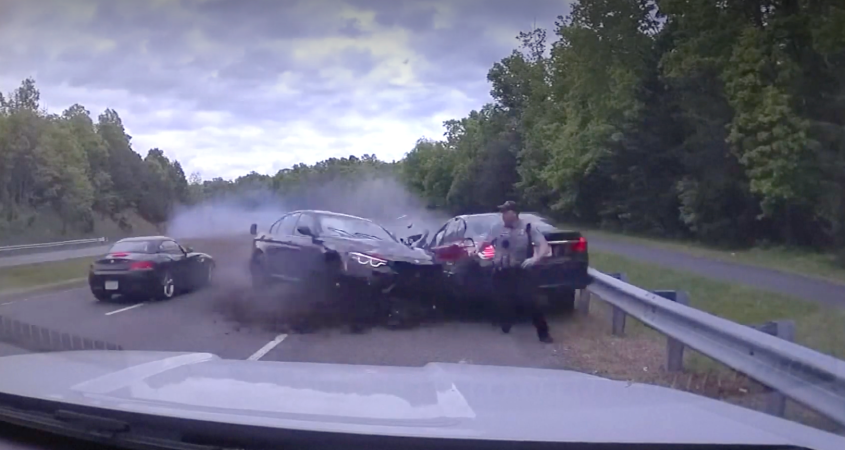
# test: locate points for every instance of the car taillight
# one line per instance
(119, 255)
(141, 265)
(488, 252)
(580, 246)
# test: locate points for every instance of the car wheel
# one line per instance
(167, 288)
(101, 296)
(208, 276)
(405, 313)
(562, 301)
(258, 272)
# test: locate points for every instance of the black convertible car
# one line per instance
(150, 266)
(345, 253)
(456, 246)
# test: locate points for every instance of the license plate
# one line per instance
(111, 285)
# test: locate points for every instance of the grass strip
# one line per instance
(33, 275)
(798, 261)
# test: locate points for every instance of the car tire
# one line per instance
(562, 301)
(258, 272)
(208, 276)
(166, 289)
(404, 313)
(101, 296)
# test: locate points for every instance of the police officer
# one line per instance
(513, 240)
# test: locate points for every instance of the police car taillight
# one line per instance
(580, 246)
(488, 252)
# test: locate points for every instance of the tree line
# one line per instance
(722, 122)
(76, 169)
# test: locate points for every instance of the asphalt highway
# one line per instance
(799, 286)
(225, 320)
(197, 322)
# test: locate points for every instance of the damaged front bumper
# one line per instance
(394, 278)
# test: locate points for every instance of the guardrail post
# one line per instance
(674, 348)
(582, 304)
(617, 316)
(784, 329)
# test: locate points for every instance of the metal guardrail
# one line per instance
(48, 245)
(39, 339)
(806, 376)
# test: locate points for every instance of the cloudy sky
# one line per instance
(231, 86)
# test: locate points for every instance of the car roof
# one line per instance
(146, 238)
(328, 213)
(545, 224)
(488, 215)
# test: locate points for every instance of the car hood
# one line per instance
(459, 401)
(394, 251)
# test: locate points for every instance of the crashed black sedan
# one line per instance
(149, 267)
(351, 256)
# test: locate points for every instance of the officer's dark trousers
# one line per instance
(515, 295)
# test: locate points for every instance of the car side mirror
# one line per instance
(253, 229)
(189, 249)
(305, 231)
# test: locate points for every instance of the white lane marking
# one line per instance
(267, 347)
(124, 309)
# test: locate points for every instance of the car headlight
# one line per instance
(367, 260)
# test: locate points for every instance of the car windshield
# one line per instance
(134, 247)
(352, 227)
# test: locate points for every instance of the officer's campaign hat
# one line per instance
(509, 205)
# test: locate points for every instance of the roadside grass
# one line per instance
(804, 262)
(33, 275)
(817, 326)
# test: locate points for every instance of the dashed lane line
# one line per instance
(267, 347)
(125, 309)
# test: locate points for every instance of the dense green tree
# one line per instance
(721, 121)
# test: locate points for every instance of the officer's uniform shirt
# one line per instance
(511, 244)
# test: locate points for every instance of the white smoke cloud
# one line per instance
(382, 199)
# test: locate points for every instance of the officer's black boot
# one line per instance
(542, 328)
